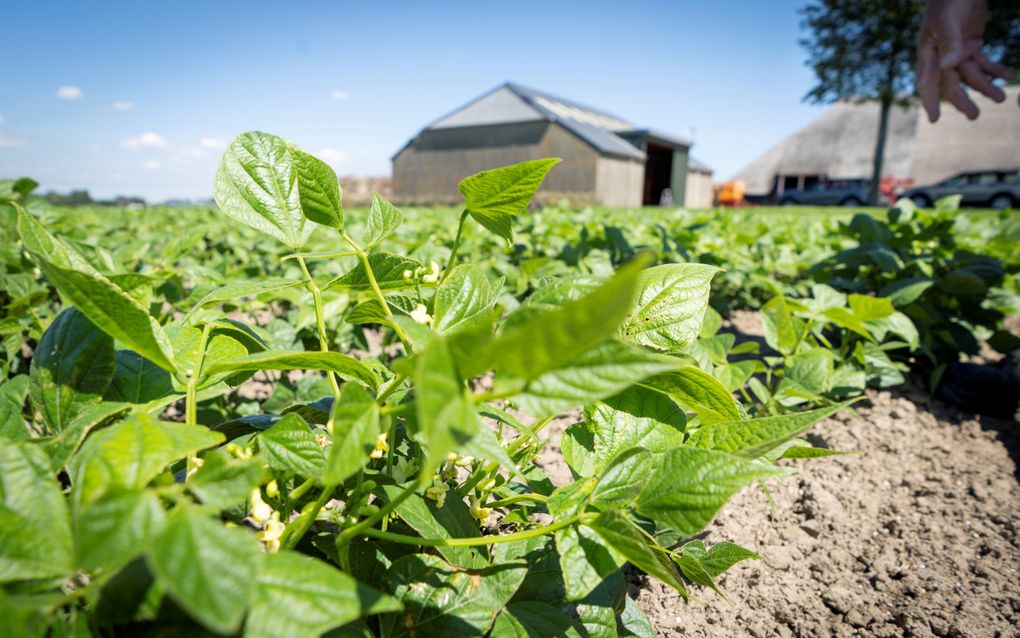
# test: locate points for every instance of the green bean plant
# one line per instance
(406, 498)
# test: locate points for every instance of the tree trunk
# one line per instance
(883, 130)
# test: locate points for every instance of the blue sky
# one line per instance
(139, 97)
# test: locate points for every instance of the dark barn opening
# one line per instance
(658, 173)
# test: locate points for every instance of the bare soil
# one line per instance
(918, 534)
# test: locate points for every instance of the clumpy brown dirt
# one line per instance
(918, 534)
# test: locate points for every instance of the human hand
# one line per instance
(950, 55)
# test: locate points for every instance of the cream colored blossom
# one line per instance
(270, 535)
(421, 315)
(260, 510)
(433, 274)
(438, 492)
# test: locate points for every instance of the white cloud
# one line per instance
(211, 142)
(191, 151)
(145, 140)
(332, 156)
(123, 106)
(151, 165)
(69, 93)
(10, 142)
(339, 95)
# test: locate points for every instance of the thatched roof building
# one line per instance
(606, 160)
(841, 144)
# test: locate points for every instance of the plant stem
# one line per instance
(297, 529)
(300, 490)
(374, 283)
(456, 244)
(348, 534)
(191, 398)
(518, 498)
(320, 321)
(471, 541)
(391, 388)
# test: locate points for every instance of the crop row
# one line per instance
(387, 484)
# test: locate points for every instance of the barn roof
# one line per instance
(841, 143)
(512, 103)
(694, 164)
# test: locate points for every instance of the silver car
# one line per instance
(994, 189)
(828, 192)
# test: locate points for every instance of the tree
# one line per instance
(866, 50)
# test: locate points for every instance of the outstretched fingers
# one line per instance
(977, 80)
(952, 89)
(991, 68)
(928, 78)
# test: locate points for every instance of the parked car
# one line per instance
(829, 192)
(995, 189)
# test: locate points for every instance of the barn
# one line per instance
(840, 144)
(606, 160)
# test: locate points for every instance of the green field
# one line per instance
(284, 417)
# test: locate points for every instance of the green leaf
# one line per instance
(440, 600)
(318, 189)
(446, 416)
(782, 330)
(187, 341)
(61, 447)
(111, 310)
(698, 391)
(906, 291)
(617, 530)
(257, 183)
(670, 306)
(812, 369)
(452, 520)
(207, 568)
(240, 289)
(693, 571)
(12, 398)
(38, 240)
(605, 370)
(531, 619)
(466, 294)
(35, 531)
(687, 486)
(635, 418)
(720, 557)
(597, 611)
(224, 481)
(623, 480)
(494, 197)
(383, 219)
(137, 380)
(584, 559)
(867, 308)
(633, 621)
(344, 366)
(356, 428)
(289, 445)
(131, 453)
(546, 340)
(24, 185)
(116, 528)
(298, 596)
(71, 367)
(751, 438)
(387, 268)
